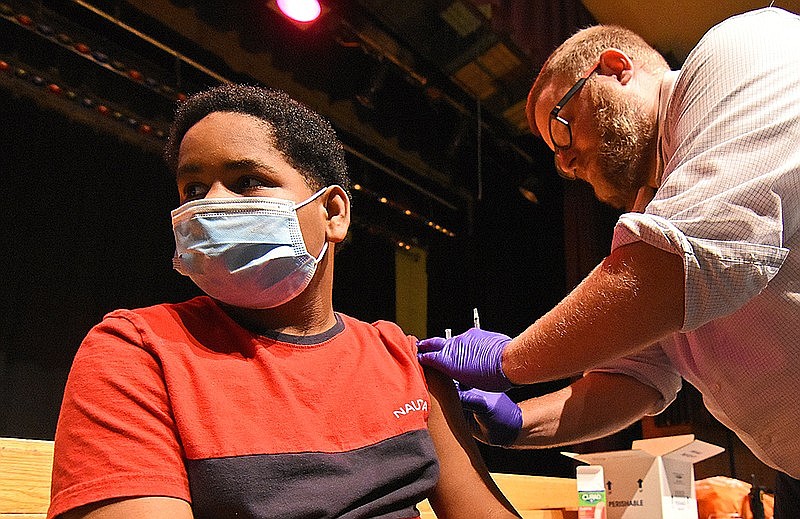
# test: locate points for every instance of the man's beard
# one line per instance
(627, 134)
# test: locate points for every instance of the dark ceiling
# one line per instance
(428, 96)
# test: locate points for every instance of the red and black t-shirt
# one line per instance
(179, 400)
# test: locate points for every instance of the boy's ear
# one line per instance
(337, 205)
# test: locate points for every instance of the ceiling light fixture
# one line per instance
(303, 11)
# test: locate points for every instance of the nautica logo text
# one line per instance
(415, 405)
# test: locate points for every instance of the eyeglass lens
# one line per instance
(560, 133)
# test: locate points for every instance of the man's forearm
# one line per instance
(593, 407)
(630, 300)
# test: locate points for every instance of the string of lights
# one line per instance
(408, 213)
(52, 83)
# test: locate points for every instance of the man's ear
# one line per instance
(614, 62)
(337, 205)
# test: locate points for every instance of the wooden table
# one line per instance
(534, 497)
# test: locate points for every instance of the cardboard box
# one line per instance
(653, 480)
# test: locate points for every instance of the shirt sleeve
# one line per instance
(729, 195)
(651, 367)
(720, 276)
(115, 436)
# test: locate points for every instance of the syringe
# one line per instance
(476, 323)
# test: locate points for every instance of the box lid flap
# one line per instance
(679, 448)
(661, 446)
(696, 451)
(599, 458)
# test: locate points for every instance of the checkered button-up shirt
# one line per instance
(729, 204)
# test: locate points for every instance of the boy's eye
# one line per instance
(194, 191)
(246, 183)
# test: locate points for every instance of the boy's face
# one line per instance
(229, 155)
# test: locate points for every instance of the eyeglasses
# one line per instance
(560, 131)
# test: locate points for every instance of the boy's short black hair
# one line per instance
(306, 139)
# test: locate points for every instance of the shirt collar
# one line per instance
(648, 191)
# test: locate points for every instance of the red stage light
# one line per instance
(300, 10)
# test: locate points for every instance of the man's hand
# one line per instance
(496, 419)
(474, 358)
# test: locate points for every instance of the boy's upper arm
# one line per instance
(465, 486)
(154, 507)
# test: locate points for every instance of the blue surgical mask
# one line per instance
(247, 252)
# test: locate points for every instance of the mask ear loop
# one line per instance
(315, 196)
(308, 201)
(321, 253)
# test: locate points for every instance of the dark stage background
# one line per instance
(87, 230)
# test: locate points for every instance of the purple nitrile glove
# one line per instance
(474, 358)
(499, 418)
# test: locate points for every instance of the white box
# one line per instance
(653, 480)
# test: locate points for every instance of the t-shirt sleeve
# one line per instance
(402, 346)
(116, 435)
